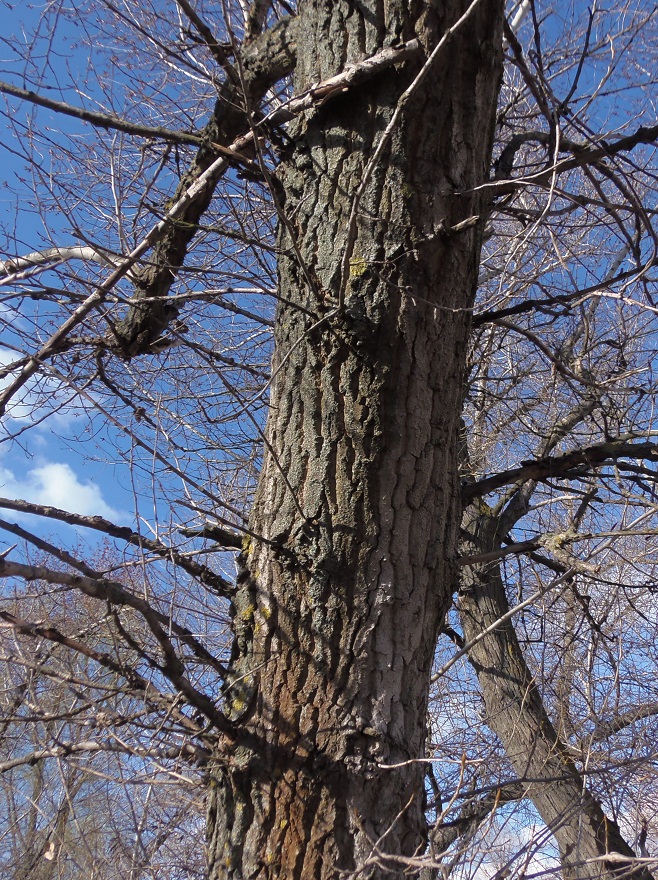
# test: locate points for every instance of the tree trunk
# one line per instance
(516, 714)
(338, 604)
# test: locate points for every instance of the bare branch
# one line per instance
(137, 682)
(195, 753)
(529, 305)
(605, 729)
(574, 463)
(587, 155)
(116, 594)
(218, 584)
(107, 121)
(217, 50)
(55, 255)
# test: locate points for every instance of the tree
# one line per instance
(357, 197)
(62, 739)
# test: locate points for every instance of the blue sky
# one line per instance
(52, 463)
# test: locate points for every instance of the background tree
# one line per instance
(82, 798)
(354, 198)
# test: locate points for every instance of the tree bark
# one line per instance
(338, 603)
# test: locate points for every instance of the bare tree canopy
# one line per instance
(329, 440)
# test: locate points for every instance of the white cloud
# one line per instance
(57, 485)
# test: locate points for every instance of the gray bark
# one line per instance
(338, 605)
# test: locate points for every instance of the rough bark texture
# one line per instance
(337, 609)
(516, 713)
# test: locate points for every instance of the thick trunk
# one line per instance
(338, 605)
(516, 713)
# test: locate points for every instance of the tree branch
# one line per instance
(116, 594)
(562, 466)
(217, 50)
(584, 156)
(55, 255)
(109, 121)
(473, 813)
(605, 729)
(204, 574)
(136, 682)
(216, 533)
(560, 300)
(86, 747)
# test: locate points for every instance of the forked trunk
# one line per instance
(338, 604)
